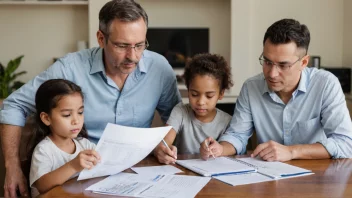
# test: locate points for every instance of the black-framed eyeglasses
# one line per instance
(279, 66)
(124, 48)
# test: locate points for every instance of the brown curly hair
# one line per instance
(212, 65)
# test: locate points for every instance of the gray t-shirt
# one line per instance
(191, 132)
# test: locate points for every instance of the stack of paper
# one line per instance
(156, 170)
(266, 171)
(134, 185)
(216, 167)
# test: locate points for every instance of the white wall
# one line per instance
(347, 34)
(40, 33)
(251, 18)
(212, 14)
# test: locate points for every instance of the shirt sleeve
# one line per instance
(336, 121)
(21, 103)
(41, 164)
(241, 125)
(176, 118)
(170, 94)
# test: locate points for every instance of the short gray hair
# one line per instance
(123, 10)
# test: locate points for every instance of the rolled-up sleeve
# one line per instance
(336, 121)
(21, 103)
(241, 126)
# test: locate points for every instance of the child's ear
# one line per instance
(45, 118)
(222, 93)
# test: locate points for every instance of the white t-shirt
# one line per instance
(47, 157)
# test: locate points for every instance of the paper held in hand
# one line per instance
(121, 147)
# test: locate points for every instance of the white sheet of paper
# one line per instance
(121, 147)
(157, 170)
(128, 184)
(276, 169)
(241, 179)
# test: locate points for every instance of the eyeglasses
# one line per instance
(138, 48)
(279, 66)
(124, 48)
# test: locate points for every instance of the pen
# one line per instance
(167, 146)
(206, 144)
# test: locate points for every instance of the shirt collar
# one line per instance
(98, 63)
(302, 85)
(265, 87)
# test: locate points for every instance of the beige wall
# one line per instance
(212, 14)
(236, 29)
(347, 34)
(251, 18)
(40, 33)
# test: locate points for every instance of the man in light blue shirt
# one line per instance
(297, 112)
(122, 82)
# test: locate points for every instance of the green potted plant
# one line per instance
(8, 77)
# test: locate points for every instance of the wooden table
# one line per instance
(332, 178)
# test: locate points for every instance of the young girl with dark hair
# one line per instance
(62, 150)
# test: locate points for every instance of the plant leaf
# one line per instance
(16, 85)
(18, 74)
(13, 65)
(2, 70)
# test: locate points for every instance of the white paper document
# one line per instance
(243, 179)
(216, 167)
(134, 185)
(156, 170)
(275, 170)
(266, 171)
(121, 147)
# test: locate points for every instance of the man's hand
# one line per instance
(166, 155)
(15, 180)
(273, 151)
(209, 148)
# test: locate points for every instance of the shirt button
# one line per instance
(119, 113)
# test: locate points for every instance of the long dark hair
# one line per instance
(47, 97)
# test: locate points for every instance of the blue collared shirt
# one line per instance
(152, 85)
(316, 113)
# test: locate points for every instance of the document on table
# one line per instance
(121, 147)
(242, 179)
(156, 170)
(134, 185)
(266, 171)
(275, 170)
(216, 167)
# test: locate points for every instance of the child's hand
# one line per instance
(85, 159)
(165, 155)
(209, 148)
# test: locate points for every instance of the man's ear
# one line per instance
(100, 39)
(45, 118)
(305, 61)
(222, 93)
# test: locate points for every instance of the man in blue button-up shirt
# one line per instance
(122, 83)
(297, 112)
